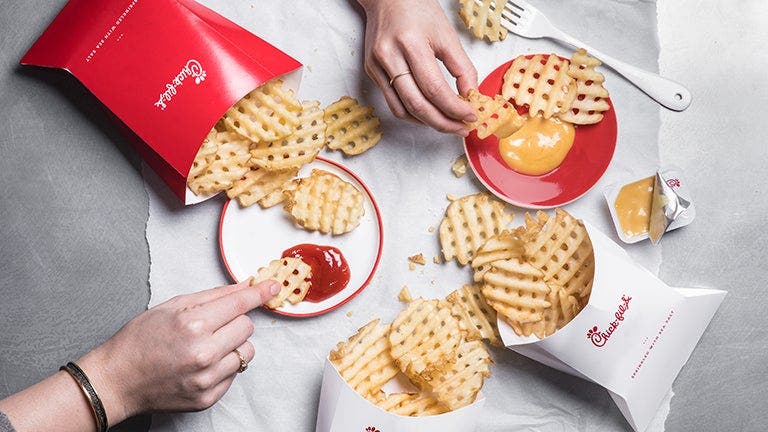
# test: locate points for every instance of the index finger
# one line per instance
(224, 309)
(433, 85)
(458, 64)
(205, 296)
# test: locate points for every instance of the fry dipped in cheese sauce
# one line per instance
(538, 147)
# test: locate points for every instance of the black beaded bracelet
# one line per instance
(90, 393)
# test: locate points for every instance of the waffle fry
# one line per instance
(352, 128)
(483, 20)
(412, 405)
(562, 250)
(297, 149)
(278, 195)
(324, 202)
(458, 387)
(205, 155)
(564, 308)
(426, 344)
(474, 314)
(258, 183)
(468, 223)
(534, 225)
(292, 274)
(541, 84)
(364, 361)
(424, 338)
(225, 165)
(590, 103)
(507, 244)
(494, 115)
(268, 113)
(516, 290)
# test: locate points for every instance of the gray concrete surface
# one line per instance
(74, 262)
(73, 257)
(717, 48)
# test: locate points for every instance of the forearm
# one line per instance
(58, 403)
(181, 355)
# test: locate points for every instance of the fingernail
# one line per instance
(274, 288)
(463, 132)
(470, 118)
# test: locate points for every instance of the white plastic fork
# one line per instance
(521, 18)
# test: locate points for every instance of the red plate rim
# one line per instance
(609, 124)
(367, 280)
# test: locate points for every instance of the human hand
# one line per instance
(178, 355)
(411, 35)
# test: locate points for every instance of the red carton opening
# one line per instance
(168, 69)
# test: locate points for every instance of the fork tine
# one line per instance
(516, 5)
(511, 19)
(512, 11)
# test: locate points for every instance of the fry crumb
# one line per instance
(431, 229)
(349, 314)
(417, 259)
(459, 166)
(436, 259)
(404, 295)
(450, 197)
(411, 266)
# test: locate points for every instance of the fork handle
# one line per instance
(671, 94)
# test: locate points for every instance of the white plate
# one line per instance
(251, 237)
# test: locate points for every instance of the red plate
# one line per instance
(592, 150)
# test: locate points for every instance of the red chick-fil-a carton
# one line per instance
(168, 69)
(633, 336)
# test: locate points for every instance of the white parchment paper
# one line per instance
(409, 173)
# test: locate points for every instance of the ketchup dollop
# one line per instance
(330, 271)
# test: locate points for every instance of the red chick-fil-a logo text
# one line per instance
(371, 429)
(600, 337)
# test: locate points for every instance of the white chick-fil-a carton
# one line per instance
(341, 409)
(633, 336)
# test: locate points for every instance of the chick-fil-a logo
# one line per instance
(371, 429)
(600, 337)
(193, 69)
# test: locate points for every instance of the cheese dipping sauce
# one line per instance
(538, 147)
(633, 207)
